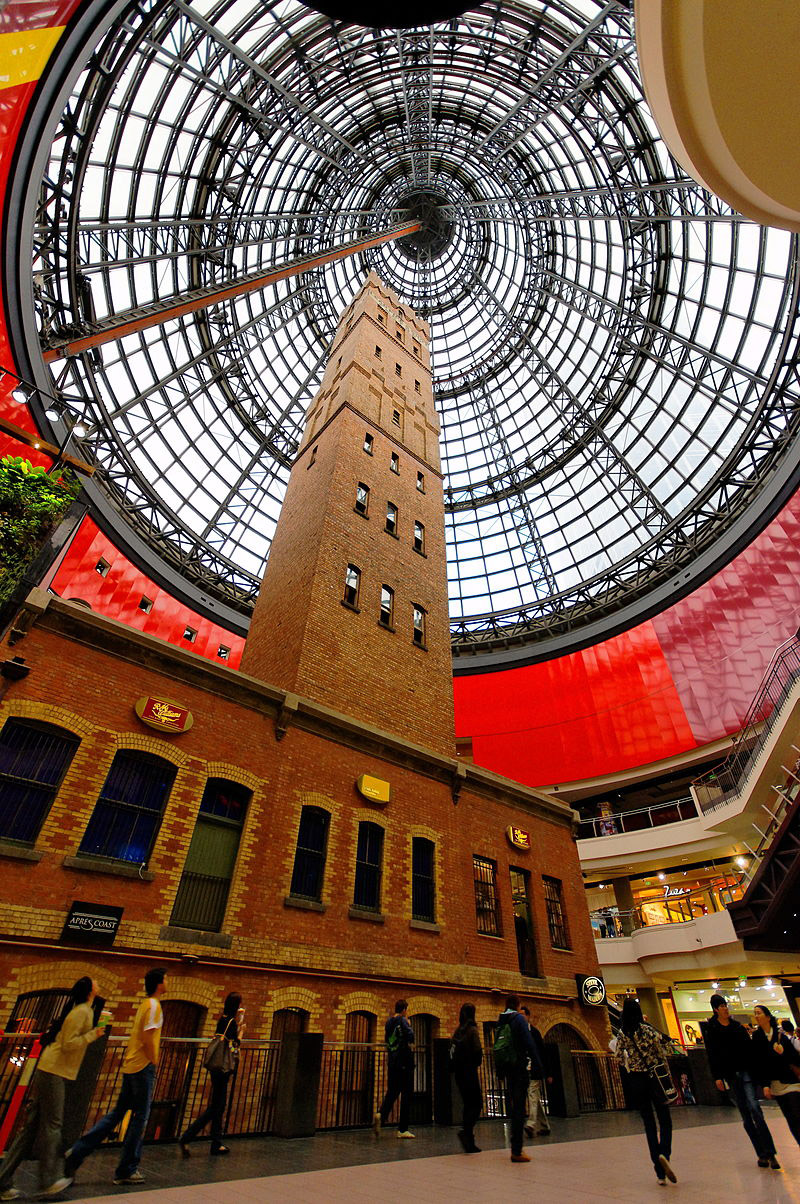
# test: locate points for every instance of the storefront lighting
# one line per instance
(715, 986)
(768, 982)
(661, 877)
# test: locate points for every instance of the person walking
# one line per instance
(399, 1070)
(231, 1027)
(791, 1033)
(466, 1055)
(138, 1081)
(776, 1065)
(538, 1121)
(519, 1043)
(63, 1047)
(730, 1056)
(640, 1049)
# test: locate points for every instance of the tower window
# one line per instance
(396, 417)
(352, 583)
(362, 498)
(416, 348)
(417, 387)
(377, 352)
(391, 518)
(102, 567)
(399, 333)
(398, 371)
(145, 604)
(421, 482)
(387, 607)
(368, 441)
(189, 634)
(419, 626)
(419, 538)
(394, 463)
(313, 457)
(381, 317)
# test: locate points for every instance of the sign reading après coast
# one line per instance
(164, 714)
(91, 924)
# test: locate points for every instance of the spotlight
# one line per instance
(79, 429)
(51, 413)
(20, 394)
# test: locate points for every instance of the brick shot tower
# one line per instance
(352, 611)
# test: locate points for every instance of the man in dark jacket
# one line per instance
(538, 1122)
(399, 1070)
(730, 1056)
(518, 1077)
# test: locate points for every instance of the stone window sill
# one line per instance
(349, 606)
(19, 852)
(425, 926)
(393, 534)
(419, 552)
(422, 647)
(360, 913)
(104, 865)
(561, 949)
(195, 936)
(386, 626)
(491, 936)
(305, 904)
(361, 513)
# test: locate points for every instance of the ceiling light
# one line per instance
(51, 413)
(20, 393)
(661, 877)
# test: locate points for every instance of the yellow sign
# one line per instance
(376, 790)
(519, 838)
(164, 714)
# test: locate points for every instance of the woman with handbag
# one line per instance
(644, 1050)
(220, 1060)
(776, 1065)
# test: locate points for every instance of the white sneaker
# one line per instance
(376, 1124)
(11, 1193)
(405, 1133)
(55, 1189)
(136, 1177)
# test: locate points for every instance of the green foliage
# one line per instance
(31, 504)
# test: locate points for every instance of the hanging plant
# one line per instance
(31, 505)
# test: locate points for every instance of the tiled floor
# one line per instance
(597, 1158)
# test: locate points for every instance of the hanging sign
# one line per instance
(591, 989)
(164, 714)
(91, 924)
(518, 837)
(376, 790)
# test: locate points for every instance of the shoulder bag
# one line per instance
(221, 1054)
(661, 1075)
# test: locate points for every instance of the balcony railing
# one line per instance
(610, 922)
(724, 781)
(638, 820)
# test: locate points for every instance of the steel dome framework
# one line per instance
(614, 350)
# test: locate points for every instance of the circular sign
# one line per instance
(593, 990)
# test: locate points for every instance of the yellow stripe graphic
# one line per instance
(24, 53)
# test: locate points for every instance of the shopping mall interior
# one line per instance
(399, 554)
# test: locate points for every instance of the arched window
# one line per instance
(35, 1011)
(206, 879)
(309, 859)
(127, 815)
(360, 1028)
(419, 617)
(352, 584)
(288, 1020)
(33, 760)
(362, 498)
(369, 865)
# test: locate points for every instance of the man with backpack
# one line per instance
(399, 1070)
(513, 1047)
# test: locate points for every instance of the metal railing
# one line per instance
(723, 781)
(638, 820)
(677, 909)
(597, 1077)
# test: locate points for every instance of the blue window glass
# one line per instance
(369, 863)
(33, 760)
(127, 814)
(309, 859)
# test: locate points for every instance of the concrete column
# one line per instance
(298, 1085)
(651, 1006)
(623, 896)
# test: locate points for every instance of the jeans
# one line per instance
(517, 1084)
(400, 1081)
(537, 1117)
(41, 1131)
(648, 1097)
(789, 1104)
(744, 1093)
(215, 1112)
(135, 1097)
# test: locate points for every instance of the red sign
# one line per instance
(519, 838)
(163, 714)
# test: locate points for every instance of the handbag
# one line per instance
(661, 1074)
(221, 1055)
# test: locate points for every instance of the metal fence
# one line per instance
(638, 820)
(353, 1084)
(715, 787)
(598, 1080)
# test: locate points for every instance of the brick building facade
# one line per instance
(247, 851)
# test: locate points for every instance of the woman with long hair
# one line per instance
(231, 1026)
(774, 1057)
(63, 1047)
(641, 1048)
(466, 1056)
